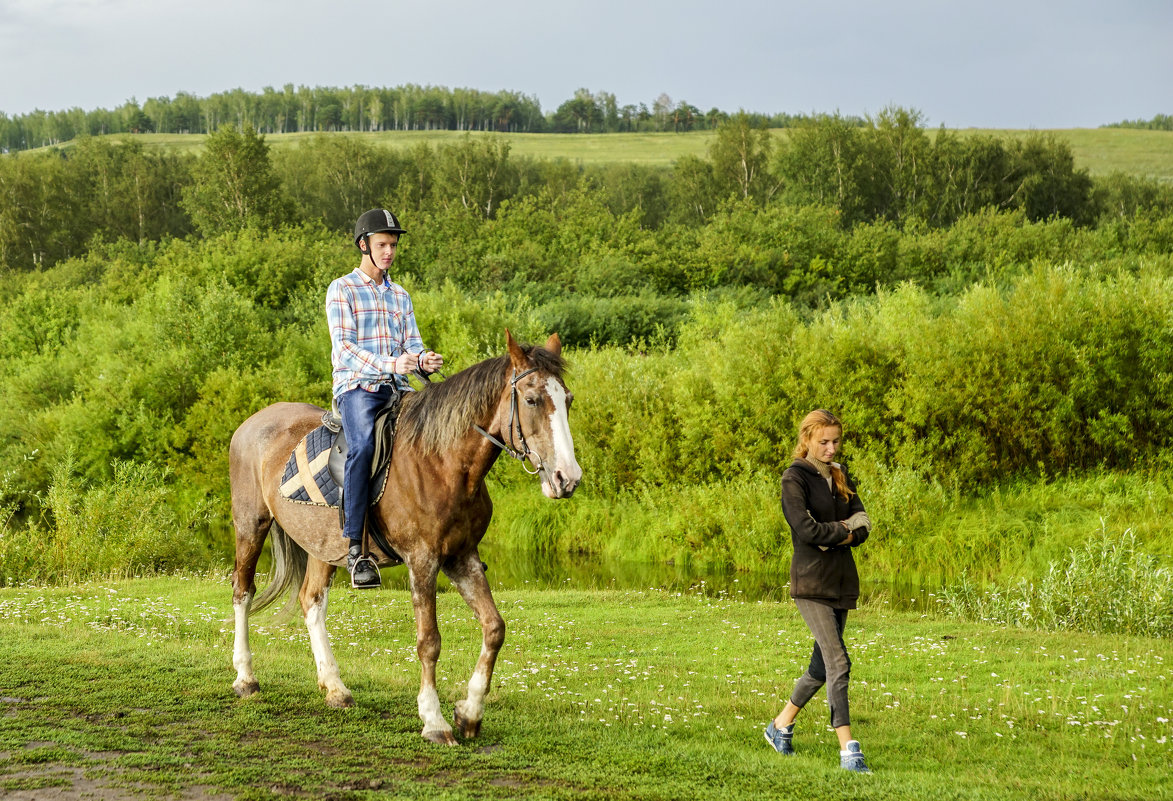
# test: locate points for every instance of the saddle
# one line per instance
(385, 420)
(315, 470)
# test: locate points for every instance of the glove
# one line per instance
(859, 536)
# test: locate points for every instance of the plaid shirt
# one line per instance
(370, 324)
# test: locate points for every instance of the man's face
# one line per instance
(383, 248)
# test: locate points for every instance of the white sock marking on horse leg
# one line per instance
(473, 708)
(329, 678)
(430, 714)
(242, 657)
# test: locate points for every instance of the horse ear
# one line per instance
(516, 355)
(554, 344)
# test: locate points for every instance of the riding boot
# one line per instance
(364, 574)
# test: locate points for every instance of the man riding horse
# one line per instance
(374, 344)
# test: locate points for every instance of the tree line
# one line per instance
(411, 107)
(1160, 122)
(890, 174)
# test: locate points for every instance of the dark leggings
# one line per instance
(829, 664)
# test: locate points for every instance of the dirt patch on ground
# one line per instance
(97, 779)
(51, 782)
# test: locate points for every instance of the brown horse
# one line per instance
(434, 511)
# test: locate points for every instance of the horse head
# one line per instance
(536, 407)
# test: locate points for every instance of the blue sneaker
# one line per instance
(780, 738)
(852, 759)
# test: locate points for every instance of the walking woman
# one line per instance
(827, 520)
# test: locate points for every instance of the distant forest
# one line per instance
(1161, 122)
(362, 108)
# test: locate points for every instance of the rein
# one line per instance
(523, 453)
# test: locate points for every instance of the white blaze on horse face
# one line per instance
(564, 470)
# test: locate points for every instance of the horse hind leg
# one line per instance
(468, 577)
(314, 596)
(250, 536)
(242, 659)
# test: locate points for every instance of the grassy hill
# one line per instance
(1100, 150)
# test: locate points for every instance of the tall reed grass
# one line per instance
(1107, 586)
(925, 534)
(112, 528)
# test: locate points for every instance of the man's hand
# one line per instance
(406, 363)
(430, 361)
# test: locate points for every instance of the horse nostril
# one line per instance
(564, 482)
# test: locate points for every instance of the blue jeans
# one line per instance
(358, 408)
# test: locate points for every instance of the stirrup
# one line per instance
(365, 561)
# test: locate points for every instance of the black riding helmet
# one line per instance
(376, 221)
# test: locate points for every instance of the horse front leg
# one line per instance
(468, 576)
(427, 646)
(314, 594)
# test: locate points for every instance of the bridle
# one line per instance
(522, 453)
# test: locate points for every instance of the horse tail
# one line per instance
(289, 565)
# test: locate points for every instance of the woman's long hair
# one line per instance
(810, 425)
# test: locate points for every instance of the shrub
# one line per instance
(96, 529)
(582, 320)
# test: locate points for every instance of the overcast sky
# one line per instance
(974, 63)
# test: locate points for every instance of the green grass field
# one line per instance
(1100, 150)
(652, 148)
(123, 690)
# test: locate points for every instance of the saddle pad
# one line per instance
(307, 476)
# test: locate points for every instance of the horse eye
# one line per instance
(530, 400)
(569, 399)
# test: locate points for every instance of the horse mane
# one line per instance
(437, 416)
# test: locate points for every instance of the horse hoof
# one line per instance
(247, 688)
(440, 737)
(339, 700)
(468, 728)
